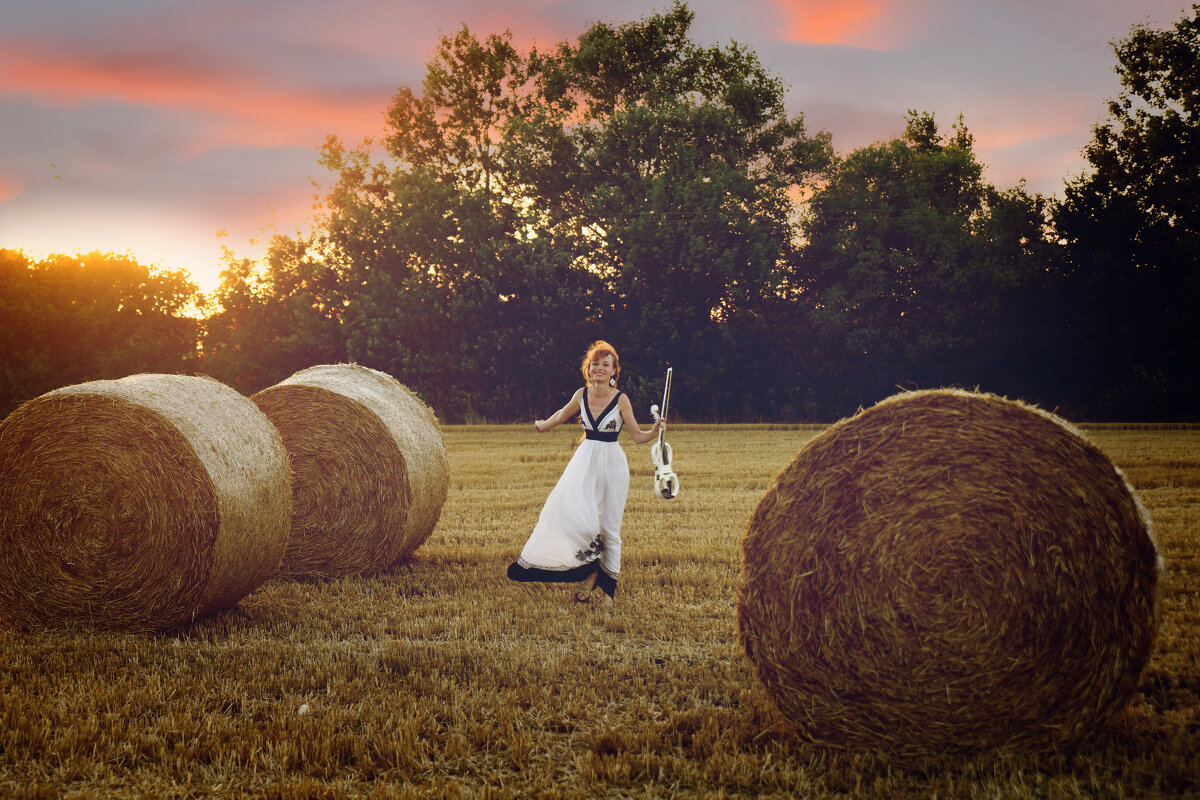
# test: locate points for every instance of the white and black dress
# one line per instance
(579, 529)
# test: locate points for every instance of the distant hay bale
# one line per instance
(141, 503)
(369, 465)
(949, 572)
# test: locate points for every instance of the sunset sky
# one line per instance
(148, 126)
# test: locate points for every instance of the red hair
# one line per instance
(596, 351)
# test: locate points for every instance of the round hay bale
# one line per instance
(141, 503)
(949, 572)
(369, 466)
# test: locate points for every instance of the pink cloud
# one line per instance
(1008, 120)
(11, 187)
(242, 109)
(356, 29)
(864, 24)
(1003, 137)
(838, 22)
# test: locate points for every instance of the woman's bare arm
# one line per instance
(562, 415)
(636, 433)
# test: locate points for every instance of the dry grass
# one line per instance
(441, 678)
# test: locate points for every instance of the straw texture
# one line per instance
(370, 468)
(949, 572)
(141, 503)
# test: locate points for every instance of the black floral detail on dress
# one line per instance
(594, 550)
(612, 425)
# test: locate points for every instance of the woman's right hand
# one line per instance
(537, 425)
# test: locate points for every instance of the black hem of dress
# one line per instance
(605, 581)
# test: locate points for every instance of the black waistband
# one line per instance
(599, 436)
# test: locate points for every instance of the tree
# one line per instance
(429, 239)
(267, 326)
(420, 254)
(1131, 230)
(631, 185)
(673, 166)
(918, 271)
(69, 319)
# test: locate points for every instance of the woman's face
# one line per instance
(601, 368)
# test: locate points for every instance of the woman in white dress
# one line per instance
(578, 534)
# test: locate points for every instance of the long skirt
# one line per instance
(579, 529)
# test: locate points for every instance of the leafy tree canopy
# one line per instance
(636, 186)
(69, 319)
(1131, 229)
(915, 265)
(631, 185)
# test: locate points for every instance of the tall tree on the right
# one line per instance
(920, 273)
(1131, 233)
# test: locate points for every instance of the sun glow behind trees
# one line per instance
(163, 245)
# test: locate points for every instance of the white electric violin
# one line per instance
(666, 484)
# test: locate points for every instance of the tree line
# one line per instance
(635, 186)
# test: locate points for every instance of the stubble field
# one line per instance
(443, 679)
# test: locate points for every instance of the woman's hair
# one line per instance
(596, 351)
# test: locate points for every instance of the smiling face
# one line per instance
(601, 364)
(601, 369)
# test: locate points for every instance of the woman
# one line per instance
(578, 534)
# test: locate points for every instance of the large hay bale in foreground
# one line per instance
(141, 503)
(369, 465)
(949, 572)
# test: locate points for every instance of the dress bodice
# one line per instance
(604, 426)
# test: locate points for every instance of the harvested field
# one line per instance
(440, 678)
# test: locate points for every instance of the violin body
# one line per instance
(666, 485)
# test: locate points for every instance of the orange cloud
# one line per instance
(831, 22)
(251, 113)
(10, 187)
(863, 24)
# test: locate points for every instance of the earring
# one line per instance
(612, 381)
